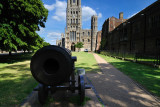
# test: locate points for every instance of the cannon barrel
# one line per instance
(52, 65)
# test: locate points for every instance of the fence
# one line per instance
(149, 59)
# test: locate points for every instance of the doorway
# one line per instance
(73, 47)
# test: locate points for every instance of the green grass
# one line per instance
(148, 77)
(16, 81)
(86, 61)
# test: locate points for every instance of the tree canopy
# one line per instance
(79, 45)
(19, 21)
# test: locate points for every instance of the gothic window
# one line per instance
(76, 12)
(71, 21)
(75, 36)
(83, 33)
(74, 1)
(70, 1)
(77, 2)
(88, 40)
(73, 12)
(77, 21)
(88, 33)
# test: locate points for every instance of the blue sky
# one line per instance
(56, 23)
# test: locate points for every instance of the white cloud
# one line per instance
(53, 35)
(49, 7)
(87, 12)
(60, 10)
(100, 15)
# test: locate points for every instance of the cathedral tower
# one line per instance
(73, 23)
(74, 32)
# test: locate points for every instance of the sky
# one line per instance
(104, 9)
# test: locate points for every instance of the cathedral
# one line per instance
(74, 32)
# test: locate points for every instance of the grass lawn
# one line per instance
(16, 81)
(148, 77)
(86, 61)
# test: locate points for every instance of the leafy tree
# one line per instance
(19, 20)
(46, 44)
(79, 45)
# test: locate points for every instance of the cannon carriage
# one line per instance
(52, 67)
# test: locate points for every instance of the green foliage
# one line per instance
(19, 21)
(46, 44)
(79, 45)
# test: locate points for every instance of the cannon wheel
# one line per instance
(42, 94)
(81, 90)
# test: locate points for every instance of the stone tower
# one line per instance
(73, 23)
(74, 32)
(94, 30)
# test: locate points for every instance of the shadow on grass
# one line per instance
(148, 77)
(14, 91)
(15, 58)
(19, 67)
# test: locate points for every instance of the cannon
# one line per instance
(52, 67)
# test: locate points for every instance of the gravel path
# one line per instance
(117, 89)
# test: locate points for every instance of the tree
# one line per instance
(79, 45)
(46, 44)
(20, 19)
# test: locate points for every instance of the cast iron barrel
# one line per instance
(52, 65)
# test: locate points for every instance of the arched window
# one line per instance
(74, 1)
(88, 33)
(71, 21)
(77, 21)
(88, 40)
(83, 33)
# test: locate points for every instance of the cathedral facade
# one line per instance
(74, 32)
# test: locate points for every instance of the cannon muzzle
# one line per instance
(52, 65)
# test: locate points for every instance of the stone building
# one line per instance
(98, 40)
(139, 34)
(74, 32)
(61, 42)
(110, 24)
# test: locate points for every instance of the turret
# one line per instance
(94, 30)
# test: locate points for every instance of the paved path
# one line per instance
(117, 89)
(62, 99)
